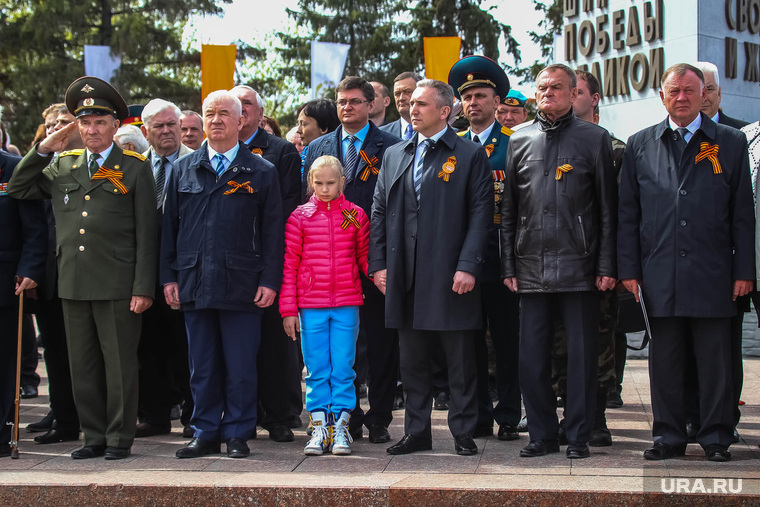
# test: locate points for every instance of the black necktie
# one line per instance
(94, 166)
(475, 139)
(682, 131)
(160, 180)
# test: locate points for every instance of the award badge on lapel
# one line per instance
(565, 168)
(710, 152)
(448, 168)
(489, 149)
(257, 151)
(371, 166)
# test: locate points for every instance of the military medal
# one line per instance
(498, 190)
(565, 168)
(3, 189)
(710, 152)
(66, 198)
(448, 168)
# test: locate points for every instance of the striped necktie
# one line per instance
(418, 167)
(408, 133)
(349, 159)
(219, 161)
(160, 180)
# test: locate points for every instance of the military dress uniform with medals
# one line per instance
(106, 253)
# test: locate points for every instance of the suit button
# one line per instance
(87, 198)
(414, 237)
(81, 231)
(81, 248)
(682, 192)
(683, 223)
(546, 210)
(84, 213)
(682, 253)
(546, 173)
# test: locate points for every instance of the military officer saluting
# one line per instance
(482, 85)
(104, 201)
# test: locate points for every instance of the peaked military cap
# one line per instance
(91, 95)
(515, 98)
(135, 115)
(476, 70)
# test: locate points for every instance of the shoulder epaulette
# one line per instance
(507, 131)
(76, 152)
(135, 154)
(462, 133)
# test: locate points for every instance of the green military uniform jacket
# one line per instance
(105, 228)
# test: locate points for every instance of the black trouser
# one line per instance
(279, 375)
(580, 314)
(53, 332)
(162, 349)
(691, 389)
(668, 357)
(501, 312)
(382, 360)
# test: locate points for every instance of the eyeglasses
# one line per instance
(343, 103)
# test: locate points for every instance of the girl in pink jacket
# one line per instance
(326, 242)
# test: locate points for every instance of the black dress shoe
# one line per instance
(356, 433)
(577, 451)
(55, 435)
(660, 451)
(144, 430)
(28, 392)
(562, 433)
(716, 452)
(442, 401)
(483, 431)
(691, 432)
(118, 452)
(522, 426)
(614, 400)
(378, 434)
(89, 451)
(409, 444)
(465, 445)
(735, 438)
(280, 433)
(237, 448)
(539, 448)
(44, 424)
(199, 447)
(600, 437)
(188, 431)
(508, 432)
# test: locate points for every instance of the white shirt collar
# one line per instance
(483, 136)
(102, 156)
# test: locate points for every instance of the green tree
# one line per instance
(42, 51)
(549, 26)
(386, 36)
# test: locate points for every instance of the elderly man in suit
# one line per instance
(279, 366)
(361, 146)
(431, 183)
(104, 202)
(23, 251)
(163, 340)
(221, 260)
(686, 239)
(403, 87)
(481, 84)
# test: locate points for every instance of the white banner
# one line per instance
(328, 59)
(99, 62)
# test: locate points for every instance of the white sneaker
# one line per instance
(321, 437)
(341, 443)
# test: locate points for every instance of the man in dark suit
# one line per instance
(403, 87)
(221, 260)
(432, 183)
(360, 145)
(104, 201)
(481, 84)
(279, 366)
(163, 341)
(686, 239)
(23, 250)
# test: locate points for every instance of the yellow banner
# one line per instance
(217, 68)
(441, 53)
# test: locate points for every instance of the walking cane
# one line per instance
(14, 436)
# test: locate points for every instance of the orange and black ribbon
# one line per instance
(350, 218)
(710, 152)
(565, 168)
(448, 168)
(112, 176)
(237, 186)
(489, 149)
(371, 166)
(257, 151)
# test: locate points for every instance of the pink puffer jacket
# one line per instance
(325, 247)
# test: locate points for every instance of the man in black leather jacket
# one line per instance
(558, 248)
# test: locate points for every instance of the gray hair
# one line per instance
(156, 106)
(259, 100)
(237, 107)
(564, 68)
(706, 67)
(131, 134)
(444, 92)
